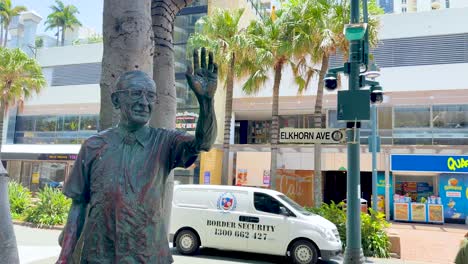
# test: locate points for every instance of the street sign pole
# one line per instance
(353, 107)
(374, 156)
(353, 252)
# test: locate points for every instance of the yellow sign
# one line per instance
(401, 211)
(418, 212)
(453, 164)
(35, 178)
(211, 164)
(436, 214)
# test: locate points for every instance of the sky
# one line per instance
(90, 12)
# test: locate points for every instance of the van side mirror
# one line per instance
(284, 211)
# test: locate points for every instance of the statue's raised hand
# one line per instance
(202, 79)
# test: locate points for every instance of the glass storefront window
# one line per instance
(412, 117)
(259, 132)
(46, 123)
(25, 123)
(185, 97)
(450, 116)
(184, 26)
(70, 123)
(54, 129)
(333, 121)
(89, 122)
(297, 121)
(52, 174)
(385, 117)
(288, 121)
(199, 3)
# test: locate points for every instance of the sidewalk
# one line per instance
(428, 243)
(394, 261)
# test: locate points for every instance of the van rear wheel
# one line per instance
(303, 252)
(187, 242)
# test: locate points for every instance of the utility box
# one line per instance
(353, 105)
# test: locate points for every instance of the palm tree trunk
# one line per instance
(1, 30)
(8, 246)
(5, 40)
(227, 121)
(275, 125)
(127, 36)
(163, 13)
(318, 195)
(63, 36)
(58, 35)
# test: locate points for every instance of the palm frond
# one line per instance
(20, 76)
(255, 81)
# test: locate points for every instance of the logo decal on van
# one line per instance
(227, 202)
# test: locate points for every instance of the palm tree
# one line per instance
(319, 32)
(272, 40)
(53, 22)
(220, 32)
(63, 17)
(20, 77)
(163, 13)
(7, 13)
(126, 48)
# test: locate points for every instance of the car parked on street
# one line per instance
(249, 219)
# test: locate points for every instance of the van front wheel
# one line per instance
(187, 242)
(303, 252)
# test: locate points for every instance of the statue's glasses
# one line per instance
(136, 95)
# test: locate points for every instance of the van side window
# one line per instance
(266, 203)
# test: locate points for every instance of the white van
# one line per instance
(249, 219)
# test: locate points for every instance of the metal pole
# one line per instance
(374, 156)
(365, 17)
(387, 186)
(353, 252)
(317, 196)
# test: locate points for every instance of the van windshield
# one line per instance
(294, 205)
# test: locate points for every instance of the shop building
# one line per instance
(424, 111)
(424, 177)
(41, 141)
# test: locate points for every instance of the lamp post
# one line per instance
(374, 139)
(353, 107)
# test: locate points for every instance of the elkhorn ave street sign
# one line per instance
(312, 135)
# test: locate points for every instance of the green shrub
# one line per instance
(375, 242)
(51, 209)
(335, 214)
(20, 199)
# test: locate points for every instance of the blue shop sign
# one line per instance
(430, 163)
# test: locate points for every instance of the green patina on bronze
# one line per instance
(118, 181)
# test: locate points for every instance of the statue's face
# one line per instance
(136, 101)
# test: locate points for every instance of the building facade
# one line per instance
(412, 6)
(42, 140)
(425, 112)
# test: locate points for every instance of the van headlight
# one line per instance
(327, 234)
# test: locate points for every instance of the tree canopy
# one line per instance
(20, 76)
(63, 17)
